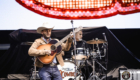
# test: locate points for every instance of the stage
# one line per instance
(122, 49)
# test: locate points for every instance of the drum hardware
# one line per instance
(101, 65)
(34, 74)
(82, 55)
(80, 63)
(105, 38)
(79, 77)
(93, 75)
(98, 50)
(105, 45)
(97, 42)
(93, 54)
(105, 50)
(80, 58)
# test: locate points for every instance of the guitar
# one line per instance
(55, 47)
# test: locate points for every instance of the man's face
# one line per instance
(79, 36)
(46, 33)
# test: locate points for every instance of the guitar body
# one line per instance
(47, 59)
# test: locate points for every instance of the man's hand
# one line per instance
(47, 52)
(62, 53)
(71, 34)
(71, 37)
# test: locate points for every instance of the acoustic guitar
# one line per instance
(55, 47)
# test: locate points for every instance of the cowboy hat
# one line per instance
(45, 25)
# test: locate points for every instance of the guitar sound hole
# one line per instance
(53, 48)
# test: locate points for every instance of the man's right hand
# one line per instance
(47, 52)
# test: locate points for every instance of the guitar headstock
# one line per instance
(78, 29)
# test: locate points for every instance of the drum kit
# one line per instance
(72, 70)
(94, 55)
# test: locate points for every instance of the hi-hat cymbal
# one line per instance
(99, 41)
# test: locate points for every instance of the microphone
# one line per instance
(104, 37)
(72, 21)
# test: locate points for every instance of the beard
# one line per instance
(45, 36)
(80, 39)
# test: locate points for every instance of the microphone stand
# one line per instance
(106, 52)
(74, 45)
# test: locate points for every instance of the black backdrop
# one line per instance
(16, 59)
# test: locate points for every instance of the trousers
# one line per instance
(48, 72)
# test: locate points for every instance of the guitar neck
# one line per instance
(62, 40)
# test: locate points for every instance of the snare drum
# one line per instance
(68, 70)
(80, 63)
(81, 54)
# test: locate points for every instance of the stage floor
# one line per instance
(27, 77)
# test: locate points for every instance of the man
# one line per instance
(48, 71)
(80, 43)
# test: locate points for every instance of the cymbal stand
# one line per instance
(33, 75)
(105, 46)
(98, 50)
(93, 47)
(94, 76)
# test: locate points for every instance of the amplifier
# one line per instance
(129, 74)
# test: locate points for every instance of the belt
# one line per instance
(51, 64)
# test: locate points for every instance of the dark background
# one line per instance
(129, 38)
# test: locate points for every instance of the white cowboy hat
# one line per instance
(45, 25)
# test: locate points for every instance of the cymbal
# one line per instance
(99, 41)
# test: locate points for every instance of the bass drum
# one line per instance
(68, 70)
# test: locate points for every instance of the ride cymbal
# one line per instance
(99, 41)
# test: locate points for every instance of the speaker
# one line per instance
(130, 74)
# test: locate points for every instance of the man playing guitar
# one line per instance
(48, 53)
